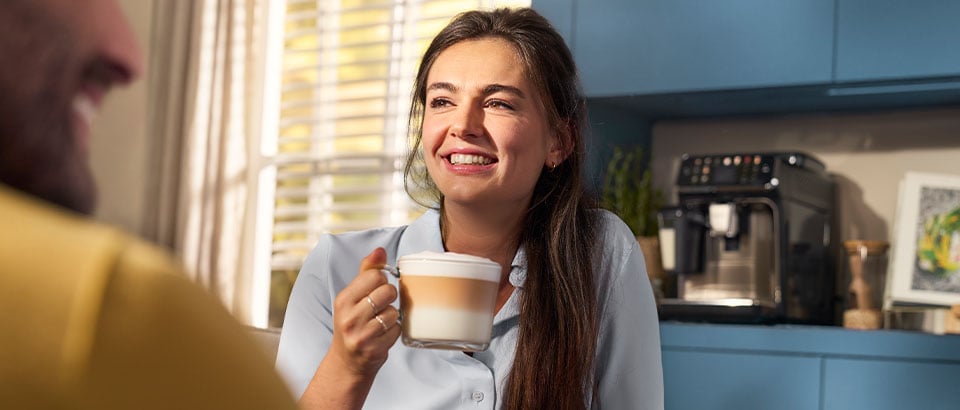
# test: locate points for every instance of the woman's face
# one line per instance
(485, 133)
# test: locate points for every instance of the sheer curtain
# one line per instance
(204, 70)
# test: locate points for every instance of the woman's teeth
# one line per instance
(466, 159)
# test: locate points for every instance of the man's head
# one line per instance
(58, 58)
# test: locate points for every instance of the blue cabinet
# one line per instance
(627, 47)
(895, 39)
(889, 385)
(802, 49)
(739, 380)
(708, 366)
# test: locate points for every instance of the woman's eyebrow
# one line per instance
(489, 89)
(440, 85)
(495, 88)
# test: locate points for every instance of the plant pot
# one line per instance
(650, 245)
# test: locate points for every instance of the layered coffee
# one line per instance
(448, 300)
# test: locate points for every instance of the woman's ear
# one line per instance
(561, 146)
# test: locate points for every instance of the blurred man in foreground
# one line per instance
(90, 317)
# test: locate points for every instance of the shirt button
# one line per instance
(477, 396)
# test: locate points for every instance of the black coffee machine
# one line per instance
(749, 240)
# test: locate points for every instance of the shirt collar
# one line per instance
(422, 235)
(518, 271)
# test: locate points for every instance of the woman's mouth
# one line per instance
(469, 159)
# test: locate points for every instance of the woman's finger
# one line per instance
(383, 324)
(368, 278)
(380, 298)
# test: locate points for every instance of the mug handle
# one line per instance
(391, 270)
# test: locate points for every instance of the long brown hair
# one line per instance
(554, 362)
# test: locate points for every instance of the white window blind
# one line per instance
(334, 162)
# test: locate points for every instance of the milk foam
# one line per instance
(449, 264)
(446, 256)
(431, 323)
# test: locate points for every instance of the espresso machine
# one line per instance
(749, 240)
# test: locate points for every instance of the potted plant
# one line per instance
(628, 192)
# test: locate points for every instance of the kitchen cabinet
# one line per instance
(889, 384)
(894, 39)
(625, 47)
(697, 58)
(712, 366)
(739, 380)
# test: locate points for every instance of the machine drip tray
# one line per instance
(718, 311)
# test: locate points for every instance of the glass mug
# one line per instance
(447, 300)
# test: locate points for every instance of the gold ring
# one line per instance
(372, 305)
(382, 323)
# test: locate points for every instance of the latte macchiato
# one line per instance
(447, 300)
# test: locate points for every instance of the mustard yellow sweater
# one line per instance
(93, 319)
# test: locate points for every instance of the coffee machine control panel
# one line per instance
(750, 169)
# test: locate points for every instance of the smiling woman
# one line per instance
(499, 124)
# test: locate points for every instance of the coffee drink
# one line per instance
(447, 300)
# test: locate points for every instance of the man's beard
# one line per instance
(43, 159)
(39, 153)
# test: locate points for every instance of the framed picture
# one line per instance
(925, 263)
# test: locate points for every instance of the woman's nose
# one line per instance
(467, 123)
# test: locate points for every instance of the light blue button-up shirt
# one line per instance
(628, 369)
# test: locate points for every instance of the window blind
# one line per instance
(339, 148)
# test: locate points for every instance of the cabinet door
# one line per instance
(720, 380)
(657, 46)
(893, 385)
(890, 39)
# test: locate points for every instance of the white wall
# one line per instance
(119, 143)
(868, 154)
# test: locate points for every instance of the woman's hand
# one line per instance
(364, 328)
(364, 323)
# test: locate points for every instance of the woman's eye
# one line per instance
(439, 103)
(499, 104)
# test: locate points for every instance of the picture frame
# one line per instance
(925, 259)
